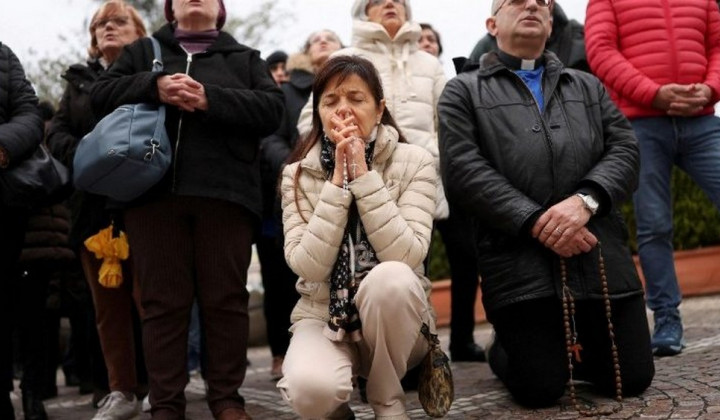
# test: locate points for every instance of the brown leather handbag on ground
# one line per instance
(436, 390)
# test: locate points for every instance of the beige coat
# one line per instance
(412, 82)
(396, 200)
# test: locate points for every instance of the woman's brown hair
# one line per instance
(340, 67)
(113, 8)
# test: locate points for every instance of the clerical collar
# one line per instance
(515, 63)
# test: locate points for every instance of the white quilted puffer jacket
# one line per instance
(395, 200)
(412, 82)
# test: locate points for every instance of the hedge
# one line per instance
(696, 221)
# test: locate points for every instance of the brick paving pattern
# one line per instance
(685, 387)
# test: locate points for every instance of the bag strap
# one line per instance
(157, 61)
(432, 339)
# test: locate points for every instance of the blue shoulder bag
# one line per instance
(127, 152)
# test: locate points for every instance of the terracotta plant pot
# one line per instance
(698, 270)
(440, 299)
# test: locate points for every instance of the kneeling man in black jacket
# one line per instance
(542, 159)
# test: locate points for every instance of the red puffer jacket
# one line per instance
(636, 46)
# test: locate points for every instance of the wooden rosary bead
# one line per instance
(571, 337)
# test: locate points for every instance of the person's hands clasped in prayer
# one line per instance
(182, 91)
(562, 228)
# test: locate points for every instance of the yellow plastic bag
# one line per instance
(112, 250)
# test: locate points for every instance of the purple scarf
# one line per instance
(195, 42)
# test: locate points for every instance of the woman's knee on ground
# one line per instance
(312, 393)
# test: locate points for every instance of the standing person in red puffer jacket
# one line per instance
(660, 60)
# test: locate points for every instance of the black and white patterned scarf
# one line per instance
(356, 258)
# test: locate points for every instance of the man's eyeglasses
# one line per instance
(381, 2)
(116, 20)
(520, 3)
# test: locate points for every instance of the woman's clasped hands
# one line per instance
(349, 149)
(182, 91)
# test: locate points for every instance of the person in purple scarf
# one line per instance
(191, 234)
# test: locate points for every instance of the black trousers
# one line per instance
(530, 358)
(280, 295)
(457, 235)
(12, 234)
(32, 323)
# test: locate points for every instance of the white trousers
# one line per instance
(317, 372)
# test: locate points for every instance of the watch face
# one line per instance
(591, 203)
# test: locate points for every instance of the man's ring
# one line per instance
(558, 230)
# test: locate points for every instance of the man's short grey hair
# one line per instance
(496, 3)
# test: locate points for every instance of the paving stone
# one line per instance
(685, 387)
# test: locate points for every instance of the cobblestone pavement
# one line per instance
(685, 386)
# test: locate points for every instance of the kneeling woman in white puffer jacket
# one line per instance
(358, 206)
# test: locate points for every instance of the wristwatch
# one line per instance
(589, 202)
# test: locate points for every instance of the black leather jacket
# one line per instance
(505, 162)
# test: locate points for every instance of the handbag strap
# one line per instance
(157, 61)
(432, 339)
(157, 65)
